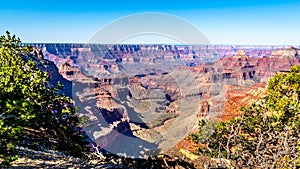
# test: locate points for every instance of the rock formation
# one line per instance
(204, 109)
(238, 96)
(287, 53)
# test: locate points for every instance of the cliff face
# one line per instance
(150, 52)
(48, 66)
(107, 60)
(238, 96)
(242, 75)
(244, 67)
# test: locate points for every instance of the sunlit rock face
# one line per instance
(287, 53)
(148, 97)
(238, 96)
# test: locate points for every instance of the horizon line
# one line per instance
(176, 44)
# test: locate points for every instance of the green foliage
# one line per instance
(266, 134)
(26, 101)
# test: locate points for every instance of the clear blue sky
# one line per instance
(221, 21)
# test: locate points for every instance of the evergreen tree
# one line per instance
(28, 102)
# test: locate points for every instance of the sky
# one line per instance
(240, 22)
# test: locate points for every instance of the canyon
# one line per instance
(140, 100)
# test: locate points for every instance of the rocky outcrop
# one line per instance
(287, 53)
(204, 109)
(240, 54)
(68, 71)
(29, 158)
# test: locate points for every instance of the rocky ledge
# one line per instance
(174, 158)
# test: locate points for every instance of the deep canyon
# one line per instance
(140, 100)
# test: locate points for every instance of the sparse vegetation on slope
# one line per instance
(266, 135)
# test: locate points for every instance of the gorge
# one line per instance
(140, 100)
